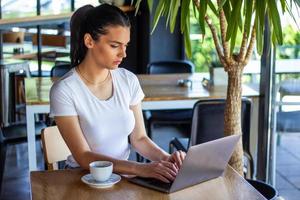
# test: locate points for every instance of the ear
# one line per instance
(88, 41)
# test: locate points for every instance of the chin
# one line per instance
(113, 67)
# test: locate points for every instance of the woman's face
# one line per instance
(110, 49)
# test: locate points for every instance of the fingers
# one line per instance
(182, 155)
(165, 169)
(162, 178)
(178, 157)
(171, 166)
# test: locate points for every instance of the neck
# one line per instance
(92, 73)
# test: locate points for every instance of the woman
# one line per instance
(97, 105)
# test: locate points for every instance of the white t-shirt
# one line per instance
(105, 124)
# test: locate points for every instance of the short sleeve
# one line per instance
(136, 92)
(61, 101)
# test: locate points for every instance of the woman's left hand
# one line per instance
(177, 158)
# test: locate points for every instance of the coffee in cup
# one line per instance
(101, 170)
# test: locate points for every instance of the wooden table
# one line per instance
(66, 184)
(162, 92)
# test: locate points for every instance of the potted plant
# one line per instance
(244, 17)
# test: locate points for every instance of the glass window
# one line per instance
(79, 3)
(55, 6)
(11, 8)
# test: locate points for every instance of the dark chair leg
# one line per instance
(3, 148)
(149, 129)
(139, 158)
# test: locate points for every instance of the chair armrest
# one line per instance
(179, 144)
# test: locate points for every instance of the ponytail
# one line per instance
(92, 20)
(76, 26)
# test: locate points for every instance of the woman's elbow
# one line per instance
(83, 160)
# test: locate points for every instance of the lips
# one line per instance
(117, 61)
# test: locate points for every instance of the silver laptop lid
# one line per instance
(205, 161)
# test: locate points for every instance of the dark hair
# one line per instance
(92, 20)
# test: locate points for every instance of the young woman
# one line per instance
(97, 106)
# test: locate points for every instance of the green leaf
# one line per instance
(227, 10)
(158, 13)
(174, 15)
(260, 7)
(222, 4)
(137, 6)
(184, 13)
(167, 10)
(283, 5)
(187, 40)
(150, 4)
(275, 19)
(259, 36)
(212, 7)
(234, 19)
(248, 16)
(233, 38)
(202, 13)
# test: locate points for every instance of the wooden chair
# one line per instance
(54, 147)
(13, 37)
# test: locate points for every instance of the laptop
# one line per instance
(202, 162)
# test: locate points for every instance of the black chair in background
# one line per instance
(60, 69)
(208, 124)
(168, 116)
(171, 67)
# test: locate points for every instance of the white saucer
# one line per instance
(89, 180)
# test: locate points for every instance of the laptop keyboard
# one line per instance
(157, 183)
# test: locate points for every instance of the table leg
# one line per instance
(31, 138)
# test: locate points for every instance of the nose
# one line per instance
(122, 52)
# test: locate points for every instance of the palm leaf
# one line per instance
(174, 15)
(234, 19)
(150, 4)
(202, 12)
(248, 16)
(275, 19)
(184, 14)
(137, 6)
(187, 40)
(212, 7)
(158, 13)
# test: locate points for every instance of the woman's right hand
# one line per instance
(161, 170)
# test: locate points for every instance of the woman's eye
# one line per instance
(114, 46)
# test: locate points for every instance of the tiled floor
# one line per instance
(16, 181)
(288, 167)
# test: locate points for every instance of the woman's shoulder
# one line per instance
(124, 73)
(66, 82)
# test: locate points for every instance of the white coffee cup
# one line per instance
(101, 170)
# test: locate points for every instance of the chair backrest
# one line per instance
(170, 67)
(208, 121)
(60, 70)
(54, 147)
(13, 37)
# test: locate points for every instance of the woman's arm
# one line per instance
(145, 146)
(72, 134)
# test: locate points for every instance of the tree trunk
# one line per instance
(232, 116)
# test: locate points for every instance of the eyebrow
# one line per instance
(117, 42)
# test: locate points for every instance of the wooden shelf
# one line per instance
(43, 20)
